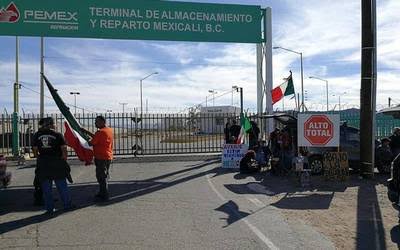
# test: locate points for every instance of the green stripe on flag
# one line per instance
(64, 109)
(245, 122)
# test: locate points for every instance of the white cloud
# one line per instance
(107, 72)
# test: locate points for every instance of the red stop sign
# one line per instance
(318, 130)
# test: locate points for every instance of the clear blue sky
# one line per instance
(107, 72)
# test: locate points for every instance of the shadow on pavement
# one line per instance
(257, 177)
(20, 199)
(304, 201)
(370, 229)
(395, 235)
(233, 212)
(13, 225)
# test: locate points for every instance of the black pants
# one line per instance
(37, 193)
(102, 168)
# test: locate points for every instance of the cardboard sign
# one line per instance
(318, 130)
(232, 154)
(336, 166)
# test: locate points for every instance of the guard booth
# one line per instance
(213, 119)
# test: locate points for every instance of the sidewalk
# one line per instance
(355, 214)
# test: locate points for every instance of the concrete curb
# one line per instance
(138, 159)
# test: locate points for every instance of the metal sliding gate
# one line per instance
(154, 134)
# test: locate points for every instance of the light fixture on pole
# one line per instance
(234, 87)
(74, 94)
(240, 90)
(123, 106)
(301, 69)
(141, 92)
(327, 90)
(213, 92)
(339, 95)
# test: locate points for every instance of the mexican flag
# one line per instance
(245, 128)
(74, 136)
(285, 89)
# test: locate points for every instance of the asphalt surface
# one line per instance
(153, 205)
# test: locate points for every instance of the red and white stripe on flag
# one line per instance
(81, 147)
(279, 92)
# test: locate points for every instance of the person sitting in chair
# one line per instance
(262, 153)
(248, 163)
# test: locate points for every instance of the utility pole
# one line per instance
(368, 88)
(389, 100)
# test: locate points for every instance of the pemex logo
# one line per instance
(9, 14)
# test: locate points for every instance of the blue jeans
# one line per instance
(62, 188)
(398, 208)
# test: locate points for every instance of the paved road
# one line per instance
(160, 205)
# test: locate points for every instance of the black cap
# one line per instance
(48, 121)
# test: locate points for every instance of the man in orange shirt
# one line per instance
(102, 142)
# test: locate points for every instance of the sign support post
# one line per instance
(15, 134)
(264, 81)
(41, 77)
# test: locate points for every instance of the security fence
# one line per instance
(150, 134)
(384, 123)
(154, 134)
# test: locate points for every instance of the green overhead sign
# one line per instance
(134, 19)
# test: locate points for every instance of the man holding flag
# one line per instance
(74, 135)
(86, 144)
(102, 142)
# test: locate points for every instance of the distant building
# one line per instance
(213, 119)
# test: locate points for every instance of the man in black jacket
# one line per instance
(38, 193)
(395, 142)
(51, 151)
(234, 131)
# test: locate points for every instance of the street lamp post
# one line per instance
(339, 95)
(123, 106)
(327, 90)
(141, 92)
(234, 87)
(74, 94)
(240, 90)
(301, 69)
(213, 92)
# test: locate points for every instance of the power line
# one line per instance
(200, 104)
(141, 62)
(48, 97)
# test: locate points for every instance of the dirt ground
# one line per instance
(354, 214)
